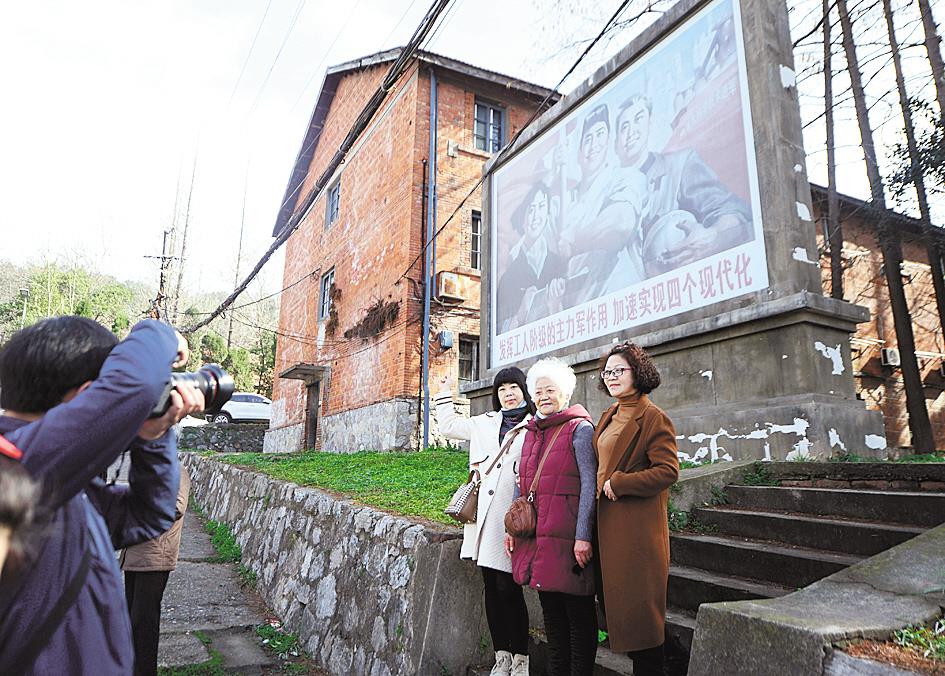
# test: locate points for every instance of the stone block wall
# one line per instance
(229, 438)
(367, 592)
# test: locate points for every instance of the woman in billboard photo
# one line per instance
(636, 451)
(495, 446)
(557, 473)
(533, 282)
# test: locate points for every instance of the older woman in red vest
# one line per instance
(556, 561)
(636, 448)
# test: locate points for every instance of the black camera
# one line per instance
(216, 384)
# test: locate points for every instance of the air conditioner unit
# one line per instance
(450, 288)
(889, 356)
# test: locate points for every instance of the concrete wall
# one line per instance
(367, 592)
(232, 438)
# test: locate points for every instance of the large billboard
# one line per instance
(639, 204)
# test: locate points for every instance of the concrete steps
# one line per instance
(769, 541)
(915, 508)
(691, 587)
(781, 564)
(848, 536)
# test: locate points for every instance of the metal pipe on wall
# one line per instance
(427, 260)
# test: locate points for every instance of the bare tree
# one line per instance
(891, 247)
(934, 255)
(183, 247)
(833, 233)
(933, 48)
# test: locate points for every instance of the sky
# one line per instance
(109, 106)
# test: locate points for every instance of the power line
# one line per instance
(360, 124)
(249, 54)
(538, 111)
(262, 87)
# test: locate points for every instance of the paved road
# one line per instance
(205, 600)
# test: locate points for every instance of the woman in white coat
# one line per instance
(497, 432)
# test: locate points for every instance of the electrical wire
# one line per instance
(249, 53)
(262, 87)
(360, 124)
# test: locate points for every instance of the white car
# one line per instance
(244, 407)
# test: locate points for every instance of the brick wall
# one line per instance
(880, 387)
(378, 234)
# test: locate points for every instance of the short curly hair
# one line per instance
(645, 376)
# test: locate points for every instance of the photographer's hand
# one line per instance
(183, 351)
(185, 399)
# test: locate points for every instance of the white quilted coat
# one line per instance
(484, 541)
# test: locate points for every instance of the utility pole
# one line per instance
(239, 254)
(183, 245)
(159, 304)
(25, 295)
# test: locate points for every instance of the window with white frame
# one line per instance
(324, 296)
(475, 241)
(333, 203)
(489, 127)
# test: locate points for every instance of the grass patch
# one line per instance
(279, 641)
(758, 476)
(843, 456)
(678, 519)
(928, 641)
(923, 457)
(247, 575)
(416, 483)
(212, 667)
(221, 537)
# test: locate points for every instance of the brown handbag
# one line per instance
(521, 520)
(464, 505)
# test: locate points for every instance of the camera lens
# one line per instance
(216, 385)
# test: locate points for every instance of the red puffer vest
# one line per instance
(546, 562)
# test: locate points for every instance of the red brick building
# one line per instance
(348, 359)
(879, 380)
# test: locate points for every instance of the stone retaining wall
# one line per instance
(367, 592)
(223, 438)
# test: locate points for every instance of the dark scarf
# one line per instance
(510, 418)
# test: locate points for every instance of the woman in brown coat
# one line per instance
(637, 463)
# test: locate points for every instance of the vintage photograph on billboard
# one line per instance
(640, 204)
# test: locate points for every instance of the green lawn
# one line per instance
(413, 483)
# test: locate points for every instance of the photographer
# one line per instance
(74, 400)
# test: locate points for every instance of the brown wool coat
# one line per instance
(160, 553)
(633, 532)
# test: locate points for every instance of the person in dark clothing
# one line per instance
(17, 504)
(533, 283)
(147, 567)
(73, 401)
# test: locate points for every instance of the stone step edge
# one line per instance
(761, 588)
(832, 519)
(772, 547)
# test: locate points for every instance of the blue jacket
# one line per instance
(66, 450)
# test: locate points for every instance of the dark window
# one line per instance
(238, 398)
(468, 359)
(489, 127)
(475, 241)
(324, 296)
(333, 203)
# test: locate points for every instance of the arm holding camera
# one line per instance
(77, 440)
(137, 512)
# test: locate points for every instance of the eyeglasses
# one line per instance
(613, 373)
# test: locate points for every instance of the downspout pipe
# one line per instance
(427, 260)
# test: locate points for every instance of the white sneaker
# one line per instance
(503, 664)
(519, 665)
